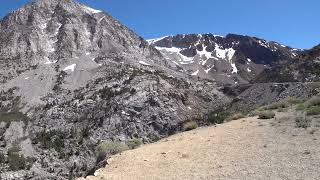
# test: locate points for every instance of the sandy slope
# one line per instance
(243, 149)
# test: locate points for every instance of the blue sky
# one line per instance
(290, 22)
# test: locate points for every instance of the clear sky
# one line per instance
(290, 22)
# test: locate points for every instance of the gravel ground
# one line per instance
(244, 149)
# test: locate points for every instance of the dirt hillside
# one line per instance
(243, 149)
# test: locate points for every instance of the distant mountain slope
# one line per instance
(232, 59)
(304, 68)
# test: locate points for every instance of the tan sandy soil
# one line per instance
(244, 149)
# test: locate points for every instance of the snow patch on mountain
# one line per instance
(70, 67)
(195, 73)
(90, 10)
(144, 63)
(174, 50)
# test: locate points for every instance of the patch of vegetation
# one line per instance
(312, 111)
(60, 79)
(189, 125)
(302, 122)
(294, 100)
(51, 140)
(108, 93)
(2, 158)
(219, 115)
(13, 116)
(300, 107)
(314, 101)
(266, 115)
(283, 110)
(277, 105)
(134, 143)
(106, 149)
(236, 117)
(18, 162)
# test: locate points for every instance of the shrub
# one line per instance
(110, 148)
(236, 117)
(190, 125)
(300, 107)
(283, 110)
(219, 115)
(18, 162)
(2, 158)
(294, 100)
(51, 140)
(302, 122)
(314, 101)
(277, 105)
(266, 115)
(314, 110)
(134, 143)
(13, 116)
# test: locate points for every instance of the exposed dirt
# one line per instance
(244, 149)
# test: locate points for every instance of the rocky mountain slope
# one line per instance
(73, 77)
(304, 68)
(234, 59)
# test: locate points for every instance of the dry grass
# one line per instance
(189, 125)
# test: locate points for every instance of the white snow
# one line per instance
(204, 53)
(207, 70)
(249, 60)
(151, 41)
(248, 69)
(177, 51)
(234, 68)
(87, 53)
(26, 78)
(90, 10)
(144, 63)
(195, 73)
(189, 108)
(49, 62)
(71, 67)
(224, 53)
(283, 45)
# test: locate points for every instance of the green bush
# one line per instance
(134, 143)
(314, 101)
(266, 115)
(18, 162)
(219, 115)
(300, 107)
(283, 110)
(294, 100)
(302, 122)
(236, 117)
(277, 105)
(190, 125)
(2, 158)
(13, 116)
(111, 148)
(51, 140)
(314, 110)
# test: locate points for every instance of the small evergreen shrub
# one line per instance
(190, 125)
(312, 111)
(302, 122)
(266, 115)
(134, 143)
(314, 101)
